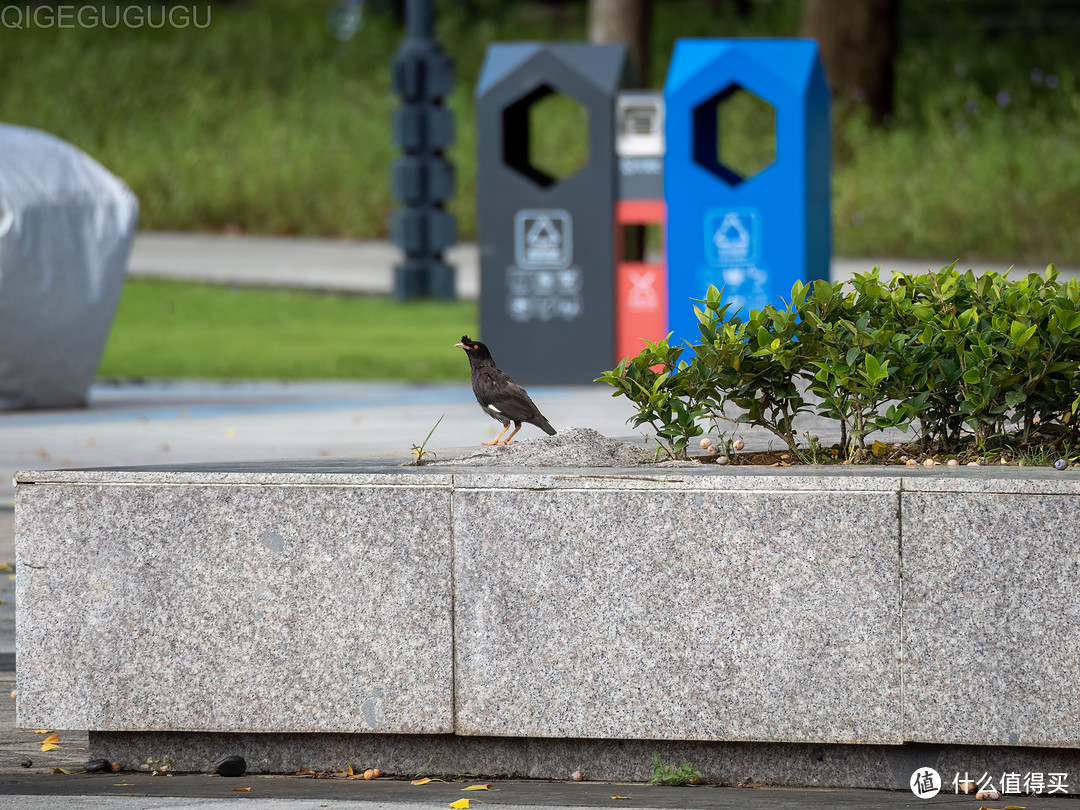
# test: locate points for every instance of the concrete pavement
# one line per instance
(367, 266)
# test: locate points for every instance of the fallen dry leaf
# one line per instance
(241, 790)
(49, 746)
(55, 737)
(480, 787)
(425, 780)
(60, 770)
(6, 567)
(42, 731)
(460, 804)
(621, 797)
(123, 784)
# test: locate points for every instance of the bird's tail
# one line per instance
(545, 426)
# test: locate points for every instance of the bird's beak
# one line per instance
(460, 346)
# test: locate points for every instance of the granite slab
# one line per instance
(991, 618)
(666, 603)
(227, 607)
(692, 615)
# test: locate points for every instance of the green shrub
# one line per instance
(667, 393)
(957, 359)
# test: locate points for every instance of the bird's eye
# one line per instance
(475, 346)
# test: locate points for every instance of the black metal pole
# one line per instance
(423, 179)
(419, 19)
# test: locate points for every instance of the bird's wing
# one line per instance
(496, 391)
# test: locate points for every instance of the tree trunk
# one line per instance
(857, 41)
(624, 21)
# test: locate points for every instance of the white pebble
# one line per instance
(738, 444)
(929, 463)
(723, 460)
(952, 462)
(706, 443)
(973, 464)
(911, 462)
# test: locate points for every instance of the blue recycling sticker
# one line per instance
(732, 237)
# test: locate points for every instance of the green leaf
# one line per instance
(1014, 398)
(1026, 336)
(873, 367)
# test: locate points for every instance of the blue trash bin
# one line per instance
(751, 233)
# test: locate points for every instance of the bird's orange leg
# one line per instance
(508, 438)
(501, 432)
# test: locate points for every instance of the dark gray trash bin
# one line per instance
(547, 245)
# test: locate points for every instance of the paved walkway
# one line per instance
(367, 266)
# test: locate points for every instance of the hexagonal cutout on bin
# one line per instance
(546, 136)
(735, 134)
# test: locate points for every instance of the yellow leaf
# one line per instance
(620, 797)
(880, 448)
(49, 746)
(480, 787)
(426, 779)
(241, 790)
(6, 567)
(54, 738)
(460, 804)
(60, 770)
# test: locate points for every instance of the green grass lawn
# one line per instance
(179, 329)
(265, 123)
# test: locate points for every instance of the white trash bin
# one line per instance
(66, 228)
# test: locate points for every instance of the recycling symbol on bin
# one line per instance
(731, 237)
(542, 239)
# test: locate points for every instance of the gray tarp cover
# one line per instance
(66, 226)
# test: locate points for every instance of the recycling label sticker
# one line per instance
(544, 295)
(733, 258)
(732, 237)
(543, 239)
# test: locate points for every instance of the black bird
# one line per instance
(501, 398)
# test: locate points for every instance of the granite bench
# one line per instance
(832, 626)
